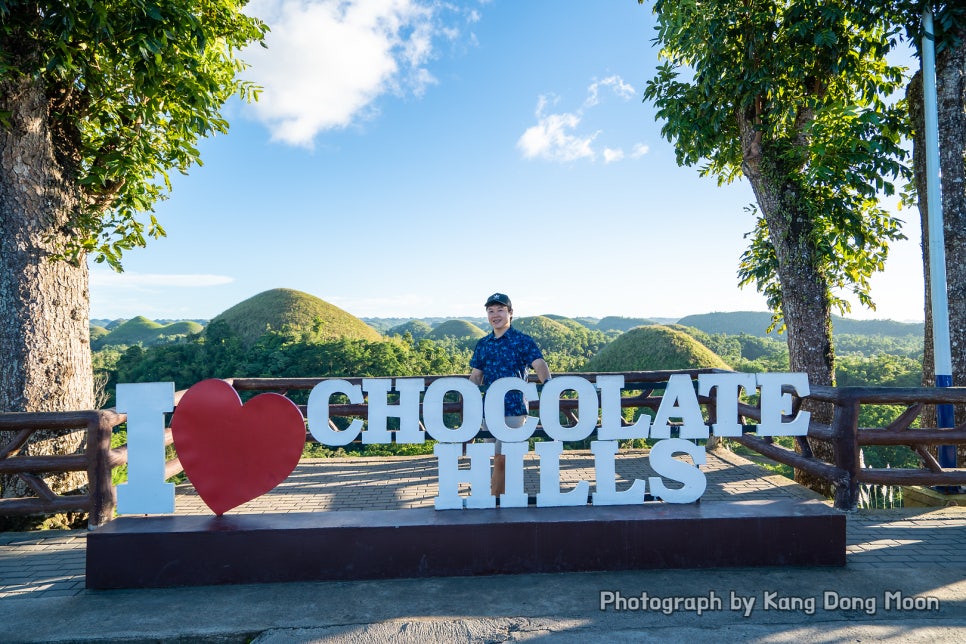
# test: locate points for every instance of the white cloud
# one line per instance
(639, 150)
(327, 61)
(616, 83)
(551, 137)
(143, 281)
(613, 155)
(557, 137)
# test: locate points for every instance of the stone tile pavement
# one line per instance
(51, 564)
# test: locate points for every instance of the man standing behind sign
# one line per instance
(505, 353)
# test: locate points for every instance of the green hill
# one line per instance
(756, 322)
(550, 335)
(570, 323)
(143, 331)
(97, 332)
(284, 308)
(653, 348)
(183, 327)
(134, 331)
(458, 329)
(616, 323)
(416, 328)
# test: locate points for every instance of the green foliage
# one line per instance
(881, 370)
(650, 348)
(220, 353)
(182, 364)
(949, 19)
(909, 346)
(799, 93)
(283, 309)
(132, 85)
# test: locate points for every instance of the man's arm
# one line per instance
(543, 371)
(476, 377)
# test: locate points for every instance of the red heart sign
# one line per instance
(233, 453)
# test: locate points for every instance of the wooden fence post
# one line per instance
(845, 423)
(102, 500)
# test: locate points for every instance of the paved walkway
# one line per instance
(916, 554)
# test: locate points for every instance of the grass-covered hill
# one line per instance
(652, 348)
(616, 323)
(97, 332)
(143, 331)
(566, 343)
(418, 329)
(570, 323)
(456, 329)
(284, 308)
(550, 334)
(756, 323)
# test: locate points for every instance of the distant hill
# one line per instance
(457, 329)
(888, 328)
(282, 308)
(97, 332)
(652, 348)
(570, 323)
(386, 325)
(141, 330)
(755, 323)
(416, 328)
(550, 334)
(615, 323)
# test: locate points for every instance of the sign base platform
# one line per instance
(179, 550)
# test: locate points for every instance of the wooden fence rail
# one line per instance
(98, 458)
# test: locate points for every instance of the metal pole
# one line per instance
(937, 244)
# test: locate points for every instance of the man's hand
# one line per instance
(543, 371)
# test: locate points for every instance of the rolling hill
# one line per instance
(651, 348)
(141, 330)
(457, 329)
(756, 322)
(283, 308)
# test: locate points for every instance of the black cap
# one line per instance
(498, 298)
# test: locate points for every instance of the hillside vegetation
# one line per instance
(282, 308)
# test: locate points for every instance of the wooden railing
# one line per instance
(97, 460)
(845, 473)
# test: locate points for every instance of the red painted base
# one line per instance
(142, 552)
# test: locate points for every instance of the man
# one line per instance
(505, 353)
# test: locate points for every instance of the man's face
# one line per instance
(498, 316)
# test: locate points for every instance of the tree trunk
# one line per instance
(914, 100)
(45, 359)
(806, 305)
(951, 106)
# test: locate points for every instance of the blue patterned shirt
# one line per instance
(508, 356)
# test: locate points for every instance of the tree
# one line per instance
(793, 96)
(950, 45)
(99, 101)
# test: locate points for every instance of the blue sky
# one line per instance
(409, 157)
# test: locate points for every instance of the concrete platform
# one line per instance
(153, 552)
(918, 553)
